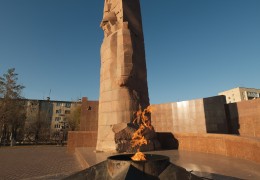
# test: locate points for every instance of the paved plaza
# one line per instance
(52, 162)
(208, 166)
(36, 162)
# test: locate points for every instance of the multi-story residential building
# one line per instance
(240, 94)
(53, 113)
(61, 110)
(36, 109)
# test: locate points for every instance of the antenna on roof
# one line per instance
(49, 97)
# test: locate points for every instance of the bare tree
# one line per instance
(38, 127)
(12, 107)
(73, 118)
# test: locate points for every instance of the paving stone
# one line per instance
(36, 162)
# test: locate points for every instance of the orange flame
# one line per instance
(138, 139)
(139, 156)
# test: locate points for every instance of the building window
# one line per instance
(57, 126)
(57, 118)
(67, 111)
(58, 111)
(68, 105)
(58, 104)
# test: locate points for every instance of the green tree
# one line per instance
(12, 106)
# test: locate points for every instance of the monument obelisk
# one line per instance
(123, 75)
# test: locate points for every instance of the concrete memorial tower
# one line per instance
(123, 77)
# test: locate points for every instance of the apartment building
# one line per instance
(53, 113)
(61, 110)
(240, 94)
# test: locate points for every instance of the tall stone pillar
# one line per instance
(123, 77)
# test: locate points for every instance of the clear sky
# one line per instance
(194, 48)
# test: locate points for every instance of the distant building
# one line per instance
(61, 109)
(36, 108)
(54, 113)
(240, 94)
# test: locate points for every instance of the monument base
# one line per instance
(123, 139)
(122, 167)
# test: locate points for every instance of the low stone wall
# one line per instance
(207, 115)
(228, 145)
(81, 139)
(89, 115)
(245, 118)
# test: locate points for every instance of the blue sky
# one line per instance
(194, 48)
